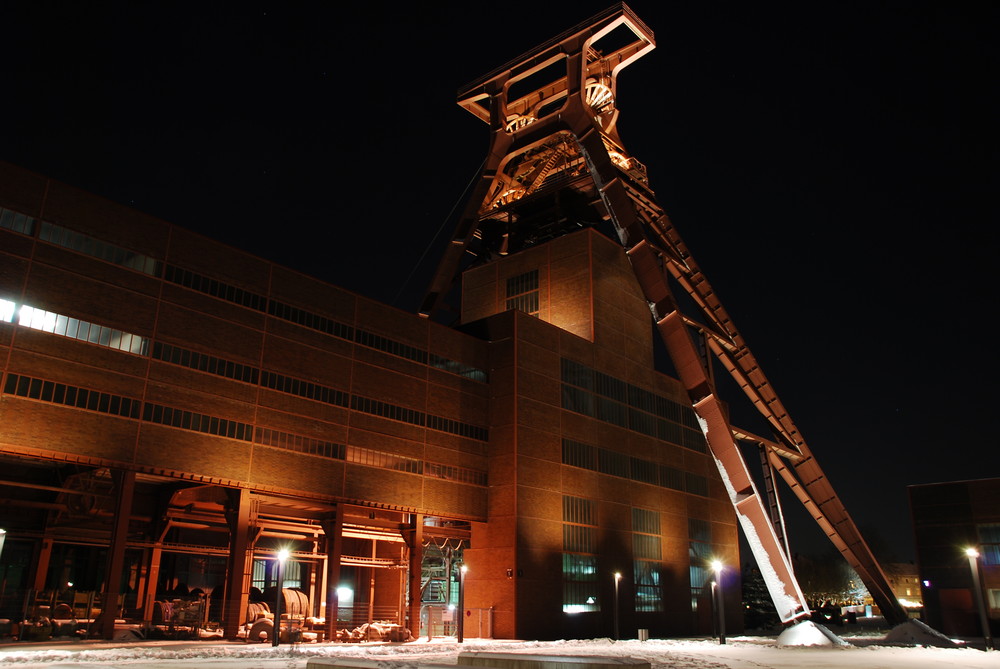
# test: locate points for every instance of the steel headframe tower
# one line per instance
(555, 164)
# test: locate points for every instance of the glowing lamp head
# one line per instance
(971, 552)
(465, 569)
(283, 555)
(618, 576)
(717, 566)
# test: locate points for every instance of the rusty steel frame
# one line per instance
(563, 135)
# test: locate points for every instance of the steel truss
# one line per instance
(556, 163)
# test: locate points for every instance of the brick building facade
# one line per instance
(174, 411)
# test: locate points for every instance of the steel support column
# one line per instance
(240, 562)
(333, 529)
(124, 489)
(415, 542)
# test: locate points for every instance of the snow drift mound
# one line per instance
(808, 633)
(916, 633)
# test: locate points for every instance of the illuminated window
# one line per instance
(579, 559)
(7, 311)
(699, 554)
(646, 554)
(522, 292)
(468, 371)
(264, 574)
(989, 541)
(12, 220)
(648, 593)
(48, 321)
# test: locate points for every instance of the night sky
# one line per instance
(828, 164)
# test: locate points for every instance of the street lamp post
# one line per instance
(977, 587)
(618, 580)
(279, 578)
(461, 602)
(717, 567)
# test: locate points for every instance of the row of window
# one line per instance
(313, 391)
(522, 283)
(989, 542)
(196, 422)
(595, 394)
(300, 444)
(93, 400)
(699, 556)
(70, 239)
(16, 221)
(452, 473)
(648, 593)
(587, 403)
(645, 521)
(583, 376)
(215, 288)
(580, 591)
(313, 321)
(647, 551)
(414, 417)
(580, 562)
(613, 463)
(522, 292)
(176, 355)
(75, 241)
(91, 246)
(579, 510)
(82, 398)
(51, 322)
(455, 367)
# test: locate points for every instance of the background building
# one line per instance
(174, 412)
(947, 519)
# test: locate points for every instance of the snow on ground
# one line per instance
(738, 653)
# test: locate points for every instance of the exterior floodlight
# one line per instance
(461, 602)
(280, 596)
(3, 535)
(977, 588)
(717, 598)
(618, 580)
